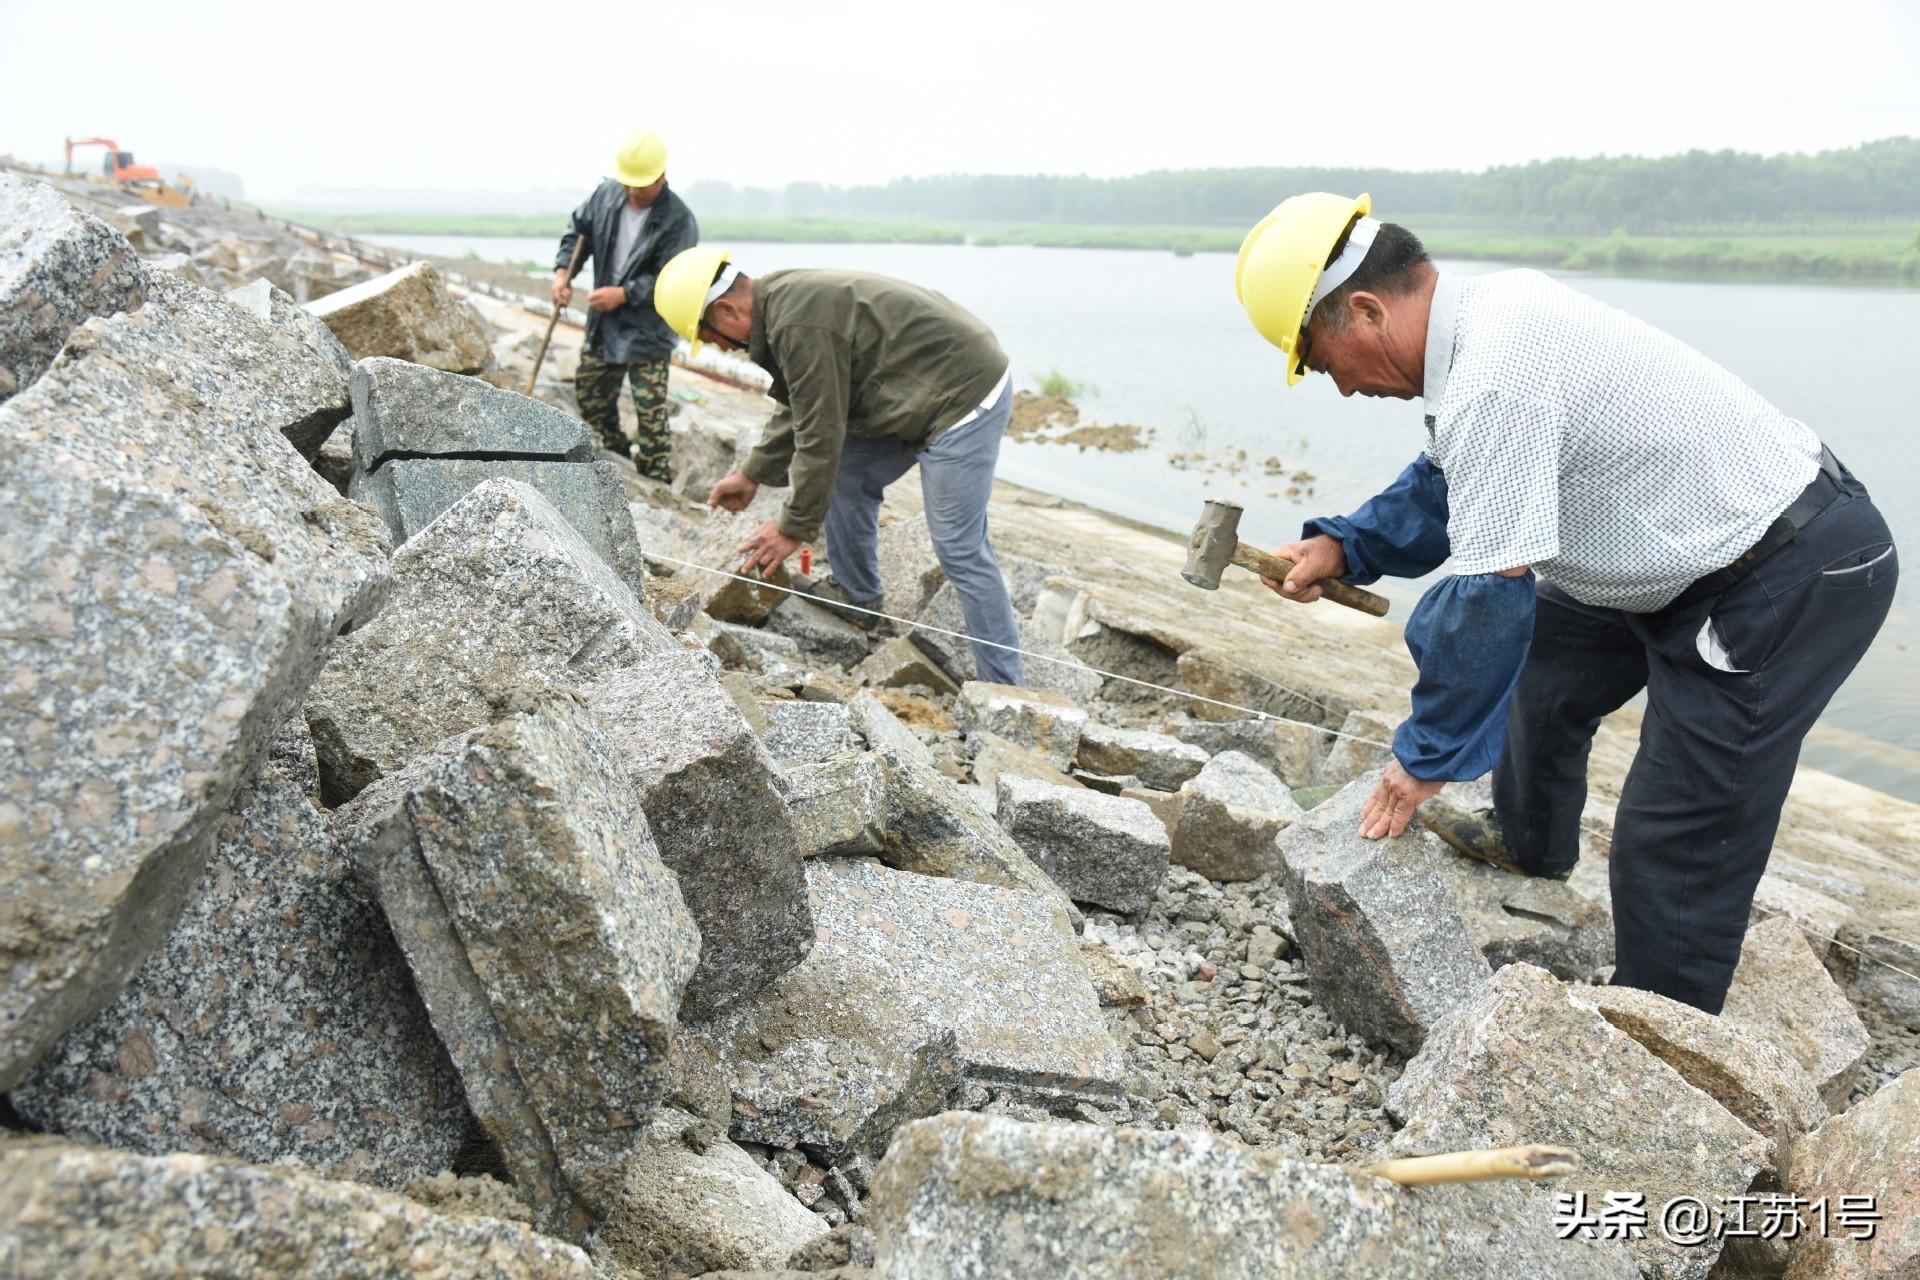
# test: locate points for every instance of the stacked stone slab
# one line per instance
(1230, 813)
(1523, 1061)
(409, 315)
(173, 572)
(1100, 849)
(58, 266)
(1045, 722)
(1157, 759)
(1872, 1150)
(713, 802)
(913, 983)
(499, 590)
(1781, 993)
(516, 870)
(964, 1195)
(1385, 951)
(423, 439)
(277, 1022)
(77, 1213)
(840, 805)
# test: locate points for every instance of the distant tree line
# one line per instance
(1875, 181)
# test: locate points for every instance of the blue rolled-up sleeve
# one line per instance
(1469, 635)
(1399, 533)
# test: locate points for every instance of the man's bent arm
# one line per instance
(1399, 533)
(1469, 636)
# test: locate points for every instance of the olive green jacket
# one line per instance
(856, 354)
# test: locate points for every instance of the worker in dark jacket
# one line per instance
(632, 225)
(873, 377)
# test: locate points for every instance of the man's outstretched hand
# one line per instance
(1395, 797)
(1313, 559)
(767, 549)
(732, 492)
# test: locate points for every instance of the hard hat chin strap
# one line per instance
(1341, 269)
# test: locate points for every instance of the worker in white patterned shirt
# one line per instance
(1622, 514)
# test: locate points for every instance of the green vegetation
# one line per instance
(1851, 214)
(1056, 383)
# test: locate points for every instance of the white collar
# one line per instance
(1441, 315)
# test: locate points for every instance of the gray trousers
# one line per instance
(1718, 747)
(956, 479)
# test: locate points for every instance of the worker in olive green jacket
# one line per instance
(873, 376)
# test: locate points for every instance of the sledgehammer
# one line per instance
(1216, 544)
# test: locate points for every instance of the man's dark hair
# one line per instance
(1394, 265)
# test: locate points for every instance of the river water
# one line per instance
(1159, 341)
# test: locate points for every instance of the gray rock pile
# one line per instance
(468, 880)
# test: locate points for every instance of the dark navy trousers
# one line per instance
(1718, 744)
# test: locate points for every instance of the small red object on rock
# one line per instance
(806, 559)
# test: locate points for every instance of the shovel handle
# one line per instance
(1339, 592)
(1532, 1162)
(579, 243)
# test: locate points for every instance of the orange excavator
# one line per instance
(142, 180)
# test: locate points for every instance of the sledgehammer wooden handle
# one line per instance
(1339, 592)
(1533, 1161)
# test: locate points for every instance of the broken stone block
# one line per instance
(718, 818)
(1046, 722)
(1026, 579)
(995, 757)
(409, 315)
(1764, 1088)
(163, 548)
(1105, 850)
(964, 1195)
(1782, 994)
(1226, 678)
(906, 972)
(1385, 951)
(710, 550)
(547, 937)
(58, 266)
(275, 307)
(932, 827)
(807, 732)
(1872, 1150)
(1523, 1061)
(898, 664)
(819, 633)
(1820, 917)
(1364, 745)
(411, 411)
(1165, 804)
(694, 1203)
(78, 1213)
(1158, 760)
(1522, 919)
(1883, 977)
(1292, 751)
(315, 273)
(752, 649)
(499, 590)
(675, 604)
(839, 806)
(276, 1023)
(910, 571)
(411, 493)
(1229, 814)
(702, 454)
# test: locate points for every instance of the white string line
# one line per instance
(1183, 693)
(1073, 663)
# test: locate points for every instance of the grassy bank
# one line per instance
(1873, 252)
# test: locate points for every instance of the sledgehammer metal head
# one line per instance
(1215, 544)
(1210, 549)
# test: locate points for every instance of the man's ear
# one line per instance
(1366, 308)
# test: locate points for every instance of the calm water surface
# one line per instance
(1160, 342)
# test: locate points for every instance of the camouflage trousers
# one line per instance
(596, 385)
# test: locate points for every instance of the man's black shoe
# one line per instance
(1477, 834)
(833, 597)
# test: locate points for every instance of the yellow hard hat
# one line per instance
(1280, 264)
(641, 159)
(680, 290)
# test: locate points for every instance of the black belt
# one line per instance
(1815, 498)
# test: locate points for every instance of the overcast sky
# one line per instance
(354, 94)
